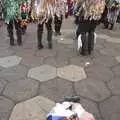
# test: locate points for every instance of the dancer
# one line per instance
(45, 15)
(12, 17)
(59, 13)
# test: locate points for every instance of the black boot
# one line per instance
(112, 25)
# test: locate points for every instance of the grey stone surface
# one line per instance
(56, 62)
(91, 107)
(105, 61)
(46, 53)
(118, 59)
(42, 73)
(6, 106)
(14, 73)
(33, 109)
(114, 85)
(10, 61)
(32, 61)
(56, 89)
(6, 52)
(100, 72)
(72, 73)
(109, 52)
(2, 84)
(110, 108)
(116, 70)
(93, 89)
(81, 61)
(21, 90)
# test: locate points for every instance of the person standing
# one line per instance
(45, 16)
(113, 13)
(59, 13)
(12, 17)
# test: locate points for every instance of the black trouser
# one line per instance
(18, 32)
(58, 23)
(49, 32)
(86, 29)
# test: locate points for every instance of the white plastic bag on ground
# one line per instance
(81, 113)
(61, 111)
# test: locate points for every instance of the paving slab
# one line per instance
(14, 73)
(10, 61)
(72, 73)
(46, 53)
(56, 89)
(118, 59)
(93, 89)
(32, 61)
(6, 106)
(100, 72)
(116, 70)
(42, 73)
(33, 109)
(110, 108)
(56, 62)
(2, 84)
(114, 86)
(21, 89)
(91, 107)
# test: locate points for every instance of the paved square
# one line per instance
(31, 81)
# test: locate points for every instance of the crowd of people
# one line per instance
(87, 13)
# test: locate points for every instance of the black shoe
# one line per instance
(50, 45)
(59, 33)
(12, 44)
(56, 34)
(19, 43)
(40, 47)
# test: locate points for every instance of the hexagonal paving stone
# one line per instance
(93, 89)
(91, 107)
(6, 52)
(56, 62)
(100, 72)
(2, 84)
(105, 61)
(116, 70)
(46, 53)
(21, 90)
(14, 73)
(72, 73)
(10, 61)
(56, 89)
(42, 73)
(32, 61)
(109, 52)
(33, 109)
(6, 107)
(118, 59)
(113, 40)
(114, 85)
(65, 41)
(110, 108)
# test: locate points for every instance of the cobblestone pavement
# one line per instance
(31, 81)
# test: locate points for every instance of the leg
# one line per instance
(112, 25)
(90, 41)
(57, 25)
(84, 43)
(49, 32)
(18, 32)
(39, 35)
(10, 32)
